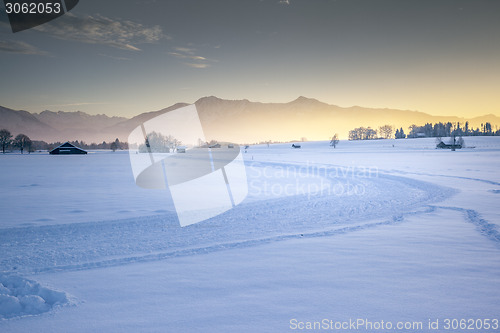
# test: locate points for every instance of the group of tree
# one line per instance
(385, 131)
(400, 134)
(159, 143)
(368, 133)
(21, 141)
(112, 145)
(362, 133)
(451, 129)
(437, 130)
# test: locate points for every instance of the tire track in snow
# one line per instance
(97, 244)
(388, 172)
(486, 228)
(446, 176)
(232, 245)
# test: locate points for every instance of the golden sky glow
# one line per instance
(128, 57)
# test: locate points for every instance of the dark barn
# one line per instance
(67, 149)
(443, 145)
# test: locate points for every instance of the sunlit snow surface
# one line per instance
(384, 230)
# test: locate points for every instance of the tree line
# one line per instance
(451, 129)
(23, 143)
(428, 130)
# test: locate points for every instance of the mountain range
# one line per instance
(238, 121)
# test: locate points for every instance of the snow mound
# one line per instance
(20, 297)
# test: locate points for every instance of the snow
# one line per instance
(41, 189)
(21, 297)
(83, 248)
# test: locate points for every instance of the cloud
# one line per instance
(113, 57)
(196, 65)
(195, 61)
(184, 50)
(99, 29)
(131, 47)
(20, 48)
(284, 2)
(184, 56)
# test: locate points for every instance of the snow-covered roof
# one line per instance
(67, 145)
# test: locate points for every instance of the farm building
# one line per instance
(67, 149)
(443, 145)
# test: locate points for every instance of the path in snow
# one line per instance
(78, 246)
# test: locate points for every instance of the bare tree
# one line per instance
(386, 131)
(413, 130)
(172, 142)
(158, 143)
(22, 141)
(362, 133)
(5, 139)
(335, 140)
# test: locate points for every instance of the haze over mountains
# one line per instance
(238, 121)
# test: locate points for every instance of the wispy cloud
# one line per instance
(19, 47)
(186, 56)
(113, 57)
(284, 2)
(185, 50)
(99, 29)
(194, 65)
(189, 54)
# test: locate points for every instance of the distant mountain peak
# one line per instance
(208, 99)
(303, 98)
(306, 100)
(215, 99)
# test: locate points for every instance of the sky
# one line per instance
(126, 57)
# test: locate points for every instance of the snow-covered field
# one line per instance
(387, 230)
